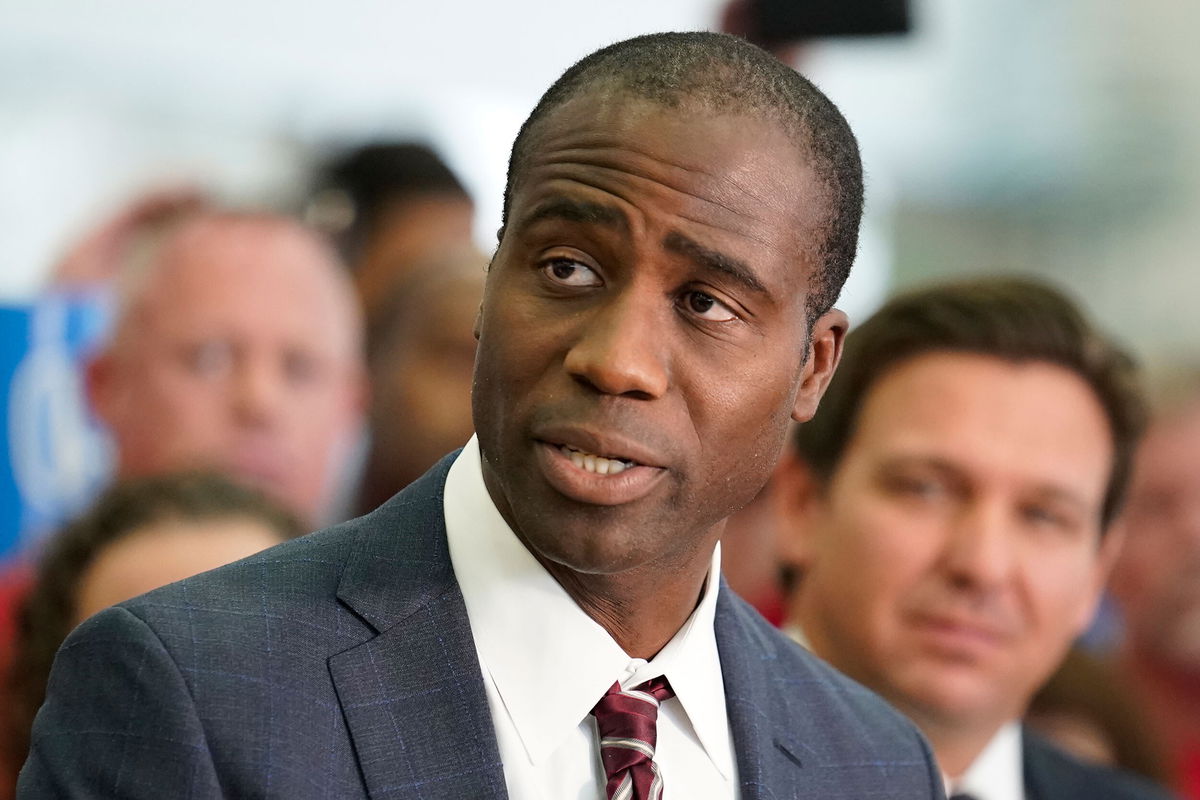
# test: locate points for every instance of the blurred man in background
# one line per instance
(390, 207)
(236, 348)
(950, 506)
(1157, 578)
(420, 362)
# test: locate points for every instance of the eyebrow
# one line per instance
(716, 261)
(591, 213)
(572, 210)
(1044, 490)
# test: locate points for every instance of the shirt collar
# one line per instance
(549, 661)
(996, 773)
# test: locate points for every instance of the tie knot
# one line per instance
(626, 720)
(626, 713)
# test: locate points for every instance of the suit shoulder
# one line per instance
(816, 698)
(312, 563)
(1051, 772)
(797, 665)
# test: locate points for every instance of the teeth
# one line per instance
(590, 462)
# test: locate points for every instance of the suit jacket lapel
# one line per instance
(768, 753)
(413, 696)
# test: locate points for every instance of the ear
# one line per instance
(824, 352)
(1107, 553)
(796, 497)
(102, 386)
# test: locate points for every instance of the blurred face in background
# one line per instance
(1157, 578)
(421, 368)
(955, 552)
(408, 233)
(164, 552)
(239, 350)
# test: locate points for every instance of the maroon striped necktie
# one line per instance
(626, 721)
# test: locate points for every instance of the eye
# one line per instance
(707, 307)
(208, 359)
(916, 487)
(569, 272)
(301, 368)
(1045, 517)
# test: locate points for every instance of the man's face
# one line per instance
(955, 552)
(642, 340)
(239, 354)
(1157, 577)
(407, 234)
(421, 374)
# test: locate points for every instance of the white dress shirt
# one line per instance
(997, 773)
(546, 663)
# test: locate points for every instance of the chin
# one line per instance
(590, 548)
(940, 694)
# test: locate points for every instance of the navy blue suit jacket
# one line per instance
(1051, 774)
(342, 665)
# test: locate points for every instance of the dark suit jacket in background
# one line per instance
(1051, 774)
(341, 665)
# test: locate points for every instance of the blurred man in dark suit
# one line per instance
(951, 510)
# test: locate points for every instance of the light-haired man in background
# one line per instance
(237, 347)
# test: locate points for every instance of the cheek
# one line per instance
(741, 422)
(878, 554)
(505, 358)
(1061, 590)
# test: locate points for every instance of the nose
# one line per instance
(258, 391)
(980, 549)
(621, 346)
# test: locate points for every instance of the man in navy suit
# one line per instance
(541, 615)
(951, 509)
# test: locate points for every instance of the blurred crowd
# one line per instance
(266, 373)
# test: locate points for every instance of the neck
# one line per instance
(956, 748)
(956, 742)
(641, 609)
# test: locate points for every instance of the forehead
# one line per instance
(249, 275)
(727, 172)
(1170, 450)
(1032, 422)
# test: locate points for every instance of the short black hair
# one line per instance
(724, 74)
(1011, 318)
(376, 176)
(47, 613)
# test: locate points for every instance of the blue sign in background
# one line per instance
(53, 454)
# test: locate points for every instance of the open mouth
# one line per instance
(589, 477)
(597, 464)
